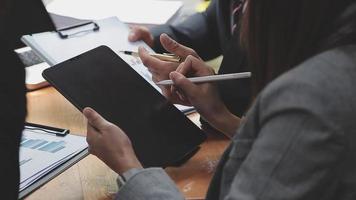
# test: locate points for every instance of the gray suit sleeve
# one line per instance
(199, 32)
(296, 149)
(150, 183)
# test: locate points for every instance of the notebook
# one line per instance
(45, 152)
(161, 135)
(34, 67)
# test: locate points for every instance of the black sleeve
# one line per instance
(199, 31)
(12, 116)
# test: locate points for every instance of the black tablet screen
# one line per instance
(160, 133)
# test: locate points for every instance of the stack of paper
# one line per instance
(41, 152)
(133, 11)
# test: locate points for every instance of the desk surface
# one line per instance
(92, 179)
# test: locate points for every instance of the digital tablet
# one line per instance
(161, 134)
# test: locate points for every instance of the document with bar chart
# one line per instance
(41, 152)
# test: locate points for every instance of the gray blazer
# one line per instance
(298, 140)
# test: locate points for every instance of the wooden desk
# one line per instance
(92, 179)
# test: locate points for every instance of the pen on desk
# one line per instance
(47, 129)
(212, 78)
(163, 57)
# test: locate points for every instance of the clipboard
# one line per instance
(57, 170)
(54, 49)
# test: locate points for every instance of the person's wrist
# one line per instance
(126, 176)
(234, 123)
(126, 163)
(226, 122)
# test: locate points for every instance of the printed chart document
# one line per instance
(132, 11)
(41, 152)
(113, 33)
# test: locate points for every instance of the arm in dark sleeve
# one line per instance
(199, 32)
(12, 116)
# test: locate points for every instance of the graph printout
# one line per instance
(41, 152)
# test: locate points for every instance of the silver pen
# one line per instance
(212, 78)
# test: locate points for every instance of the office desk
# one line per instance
(92, 179)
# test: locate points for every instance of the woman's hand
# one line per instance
(204, 97)
(160, 69)
(109, 143)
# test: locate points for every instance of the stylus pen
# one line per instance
(164, 57)
(212, 78)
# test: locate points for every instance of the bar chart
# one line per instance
(41, 153)
(24, 161)
(43, 145)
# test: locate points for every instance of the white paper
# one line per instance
(42, 152)
(132, 11)
(34, 73)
